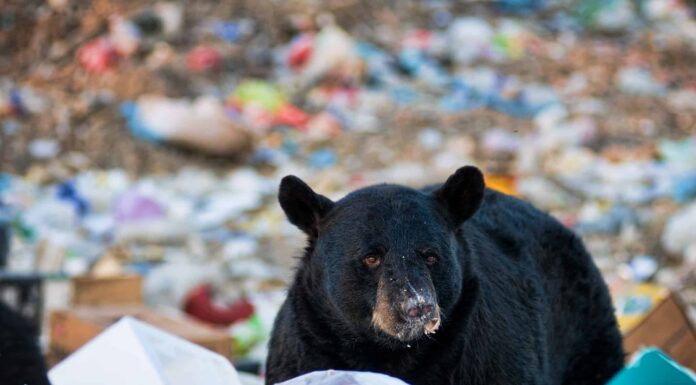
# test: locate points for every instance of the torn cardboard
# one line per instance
(650, 315)
(70, 329)
(117, 290)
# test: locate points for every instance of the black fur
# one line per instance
(21, 361)
(521, 301)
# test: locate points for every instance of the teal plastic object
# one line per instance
(653, 367)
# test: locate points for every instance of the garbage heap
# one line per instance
(149, 137)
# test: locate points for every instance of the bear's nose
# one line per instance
(420, 310)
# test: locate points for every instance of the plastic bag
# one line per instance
(341, 377)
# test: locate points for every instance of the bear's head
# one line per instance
(387, 256)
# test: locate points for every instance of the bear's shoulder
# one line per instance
(504, 214)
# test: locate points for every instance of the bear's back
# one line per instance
(546, 267)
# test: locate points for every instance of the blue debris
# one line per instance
(68, 192)
(130, 112)
(323, 158)
(684, 188)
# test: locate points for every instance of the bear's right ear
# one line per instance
(303, 207)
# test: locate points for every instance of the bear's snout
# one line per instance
(406, 308)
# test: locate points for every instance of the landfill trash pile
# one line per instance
(154, 134)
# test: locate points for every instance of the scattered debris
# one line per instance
(583, 108)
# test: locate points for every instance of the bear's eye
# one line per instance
(431, 259)
(371, 261)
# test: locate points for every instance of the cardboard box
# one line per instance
(119, 290)
(71, 329)
(134, 352)
(654, 316)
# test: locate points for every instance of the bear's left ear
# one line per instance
(303, 207)
(461, 195)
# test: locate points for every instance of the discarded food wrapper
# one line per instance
(341, 377)
(133, 352)
(653, 367)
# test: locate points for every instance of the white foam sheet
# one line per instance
(135, 353)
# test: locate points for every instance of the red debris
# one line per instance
(204, 58)
(300, 51)
(98, 55)
(292, 116)
(200, 305)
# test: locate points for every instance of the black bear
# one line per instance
(21, 362)
(453, 284)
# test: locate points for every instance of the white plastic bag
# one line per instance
(341, 377)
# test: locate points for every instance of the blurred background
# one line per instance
(141, 145)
